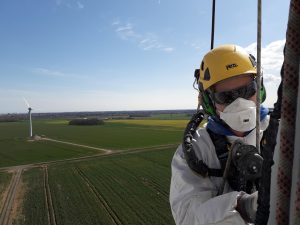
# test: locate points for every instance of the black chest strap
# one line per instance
(221, 146)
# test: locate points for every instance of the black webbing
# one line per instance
(193, 162)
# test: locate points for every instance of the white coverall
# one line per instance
(193, 198)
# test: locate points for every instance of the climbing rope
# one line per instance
(258, 68)
(213, 24)
(284, 214)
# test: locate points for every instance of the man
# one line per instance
(228, 90)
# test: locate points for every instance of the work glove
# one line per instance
(247, 206)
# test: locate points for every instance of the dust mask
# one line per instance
(240, 115)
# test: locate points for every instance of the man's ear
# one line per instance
(207, 103)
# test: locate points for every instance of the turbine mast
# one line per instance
(30, 122)
(29, 115)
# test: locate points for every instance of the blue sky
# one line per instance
(96, 55)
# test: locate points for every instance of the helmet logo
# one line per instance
(231, 66)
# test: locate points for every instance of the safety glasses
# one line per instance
(228, 97)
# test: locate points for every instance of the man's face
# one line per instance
(231, 84)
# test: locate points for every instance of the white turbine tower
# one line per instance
(29, 114)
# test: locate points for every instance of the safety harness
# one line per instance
(221, 146)
(193, 162)
(236, 160)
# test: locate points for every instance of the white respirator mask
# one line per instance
(240, 115)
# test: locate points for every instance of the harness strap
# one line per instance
(193, 162)
(200, 167)
(221, 145)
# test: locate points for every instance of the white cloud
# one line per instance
(168, 49)
(55, 73)
(116, 22)
(271, 78)
(147, 41)
(271, 59)
(47, 72)
(196, 44)
(150, 42)
(126, 32)
(80, 5)
(70, 4)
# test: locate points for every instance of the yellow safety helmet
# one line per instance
(224, 62)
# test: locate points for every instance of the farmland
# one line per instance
(17, 152)
(169, 125)
(15, 149)
(4, 182)
(115, 135)
(118, 173)
(122, 189)
(34, 209)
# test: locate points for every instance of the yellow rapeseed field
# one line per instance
(163, 123)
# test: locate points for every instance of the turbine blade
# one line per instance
(26, 102)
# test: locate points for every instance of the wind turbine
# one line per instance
(29, 114)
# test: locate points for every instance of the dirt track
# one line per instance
(8, 203)
(17, 170)
(79, 145)
(49, 204)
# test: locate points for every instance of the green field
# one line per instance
(113, 134)
(20, 151)
(171, 116)
(130, 187)
(169, 125)
(34, 206)
(124, 189)
(15, 149)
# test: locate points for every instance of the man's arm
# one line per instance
(193, 197)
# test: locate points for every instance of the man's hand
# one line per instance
(247, 206)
